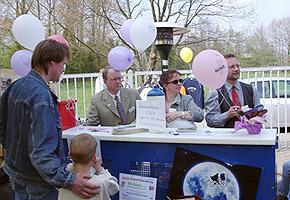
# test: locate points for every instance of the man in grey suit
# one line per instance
(103, 109)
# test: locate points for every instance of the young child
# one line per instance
(83, 154)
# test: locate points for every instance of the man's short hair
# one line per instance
(83, 148)
(106, 70)
(229, 55)
(47, 51)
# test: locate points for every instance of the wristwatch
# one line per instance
(182, 115)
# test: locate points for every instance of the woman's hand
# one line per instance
(171, 116)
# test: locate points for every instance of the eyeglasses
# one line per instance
(176, 81)
(234, 66)
(115, 79)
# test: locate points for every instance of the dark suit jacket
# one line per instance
(248, 100)
(103, 109)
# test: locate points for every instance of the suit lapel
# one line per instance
(109, 103)
(226, 94)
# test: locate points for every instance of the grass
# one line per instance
(82, 94)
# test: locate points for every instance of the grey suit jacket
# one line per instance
(103, 109)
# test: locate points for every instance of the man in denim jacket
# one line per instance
(30, 131)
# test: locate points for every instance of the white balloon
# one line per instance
(125, 30)
(143, 33)
(28, 31)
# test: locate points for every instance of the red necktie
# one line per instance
(235, 97)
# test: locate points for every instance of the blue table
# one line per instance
(152, 155)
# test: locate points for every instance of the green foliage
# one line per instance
(259, 51)
(84, 60)
(259, 59)
(175, 62)
(6, 53)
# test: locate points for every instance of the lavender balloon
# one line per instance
(125, 30)
(120, 58)
(21, 62)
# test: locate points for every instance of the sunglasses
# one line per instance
(176, 81)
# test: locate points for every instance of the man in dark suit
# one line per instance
(223, 105)
(114, 105)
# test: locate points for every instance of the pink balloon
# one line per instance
(59, 39)
(120, 58)
(21, 62)
(210, 68)
(125, 30)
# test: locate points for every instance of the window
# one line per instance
(280, 90)
(260, 88)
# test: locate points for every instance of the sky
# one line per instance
(267, 10)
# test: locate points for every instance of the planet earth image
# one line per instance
(211, 181)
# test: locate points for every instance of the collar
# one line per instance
(229, 86)
(113, 96)
(177, 99)
(33, 74)
(36, 76)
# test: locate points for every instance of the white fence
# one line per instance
(272, 83)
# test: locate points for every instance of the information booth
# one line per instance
(155, 155)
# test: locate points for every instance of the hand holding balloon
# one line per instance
(234, 112)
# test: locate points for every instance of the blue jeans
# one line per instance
(284, 184)
(27, 191)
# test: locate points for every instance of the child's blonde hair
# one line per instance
(83, 148)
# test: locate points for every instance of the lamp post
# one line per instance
(164, 40)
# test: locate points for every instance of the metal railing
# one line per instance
(272, 82)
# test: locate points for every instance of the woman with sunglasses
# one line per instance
(178, 106)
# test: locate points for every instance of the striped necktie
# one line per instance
(121, 111)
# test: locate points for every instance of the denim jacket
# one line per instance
(31, 134)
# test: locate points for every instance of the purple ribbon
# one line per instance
(252, 126)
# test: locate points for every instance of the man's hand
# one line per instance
(234, 111)
(83, 188)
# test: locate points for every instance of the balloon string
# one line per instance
(153, 82)
(227, 102)
(140, 53)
